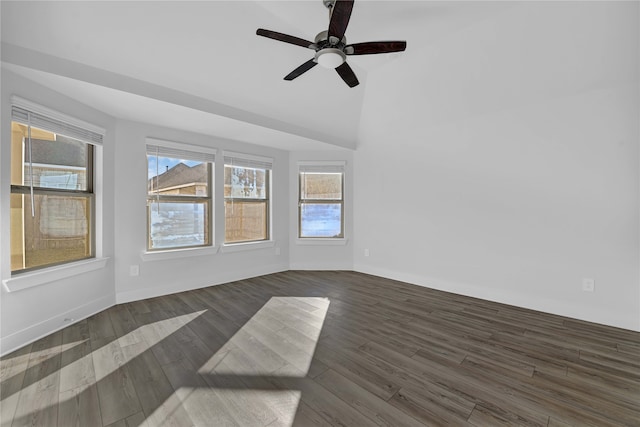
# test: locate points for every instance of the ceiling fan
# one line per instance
(331, 46)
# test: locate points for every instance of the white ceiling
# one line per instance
(199, 66)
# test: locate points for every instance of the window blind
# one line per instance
(322, 167)
(247, 161)
(26, 112)
(174, 153)
(176, 150)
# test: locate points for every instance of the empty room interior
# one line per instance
(320, 213)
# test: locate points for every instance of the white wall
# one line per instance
(508, 167)
(28, 314)
(163, 276)
(314, 255)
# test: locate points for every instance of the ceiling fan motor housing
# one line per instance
(322, 40)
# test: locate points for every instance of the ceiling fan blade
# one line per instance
(369, 48)
(347, 75)
(340, 15)
(285, 38)
(301, 69)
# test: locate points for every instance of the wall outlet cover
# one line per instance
(588, 285)
(134, 270)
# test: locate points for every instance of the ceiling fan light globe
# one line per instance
(330, 57)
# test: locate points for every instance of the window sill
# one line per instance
(48, 275)
(248, 246)
(178, 253)
(330, 241)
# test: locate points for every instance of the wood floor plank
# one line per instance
(38, 400)
(116, 391)
(79, 407)
(12, 372)
(624, 366)
(135, 420)
(466, 384)
(330, 407)
(593, 378)
(319, 348)
(368, 404)
(201, 403)
(623, 409)
(433, 405)
(360, 371)
(307, 417)
(124, 325)
(540, 400)
(247, 406)
(100, 327)
(483, 416)
(77, 364)
(544, 360)
(493, 365)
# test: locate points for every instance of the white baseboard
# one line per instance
(220, 278)
(545, 305)
(35, 332)
(321, 266)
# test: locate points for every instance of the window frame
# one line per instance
(87, 194)
(247, 161)
(208, 200)
(35, 116)
(321, 168)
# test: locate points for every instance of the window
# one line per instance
(52, 212)
(179, 195)
(321, 200)
(246, 197)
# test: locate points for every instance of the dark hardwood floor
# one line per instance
(324, 348)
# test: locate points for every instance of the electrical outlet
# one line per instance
(588, 285)
(277, 251)
(134, 270)
(366, 252)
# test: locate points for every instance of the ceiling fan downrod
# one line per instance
(329, 5)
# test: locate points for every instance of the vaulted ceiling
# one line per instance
(199, 66)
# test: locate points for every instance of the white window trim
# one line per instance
(247, 246)
(267, 163)
(25, 280)
(52, 274)
(322, 241)
(161, 255)
(182, 252)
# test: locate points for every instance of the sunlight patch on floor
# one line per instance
(252, 378)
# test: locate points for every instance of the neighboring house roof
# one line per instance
(179, 175)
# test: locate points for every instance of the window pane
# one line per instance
(59, 231)
(322, 186)
(178, 224)
(56, 161)
(245, 221)
(171, 176)
(247, 183)
(320, 220)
